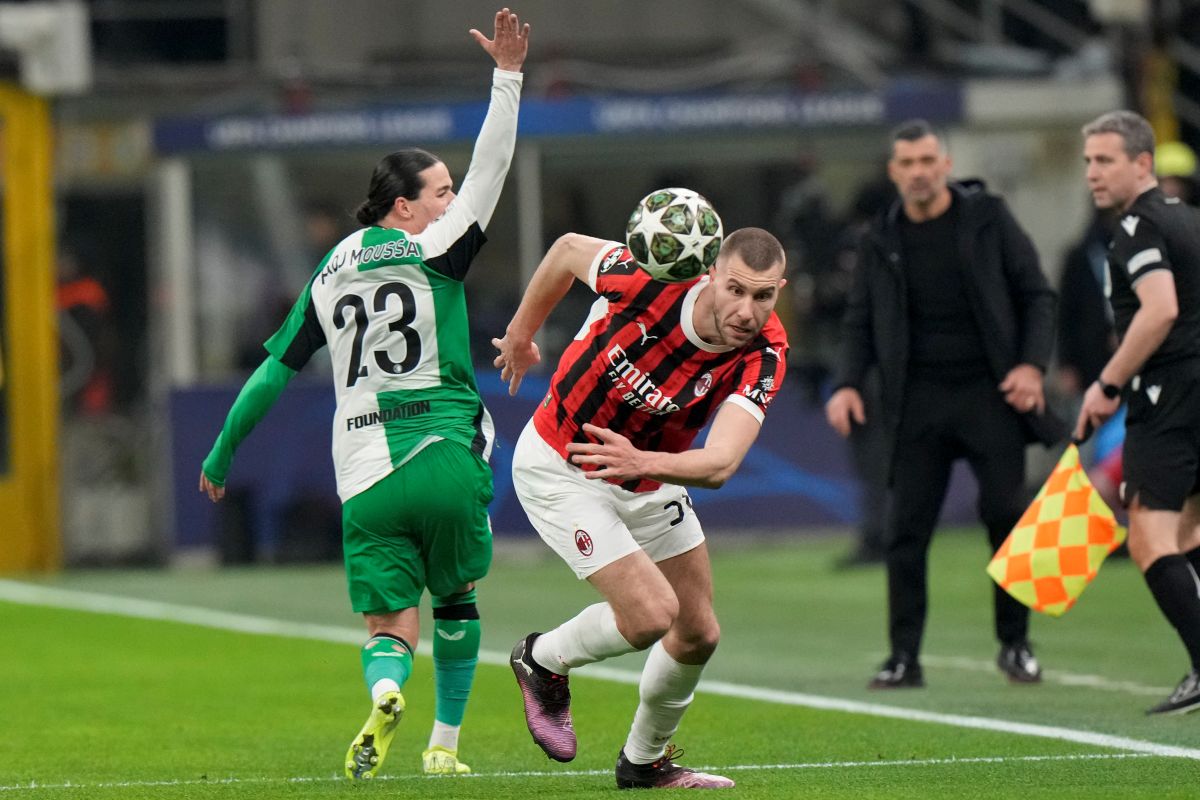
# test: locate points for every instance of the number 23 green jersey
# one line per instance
(391, 307)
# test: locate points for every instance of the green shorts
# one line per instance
(423, 526)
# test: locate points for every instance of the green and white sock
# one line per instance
(455, 654)
(387, 663)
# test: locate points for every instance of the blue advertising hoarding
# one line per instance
(574, 116)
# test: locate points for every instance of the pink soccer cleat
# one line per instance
(547, 702)
(665, 774)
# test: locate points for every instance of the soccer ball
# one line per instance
(674, 234)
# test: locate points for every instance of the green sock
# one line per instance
(455, 654)
(386, 658)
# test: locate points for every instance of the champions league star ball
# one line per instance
(674, 234)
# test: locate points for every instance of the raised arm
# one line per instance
(511, 44)
(570, 257)
(480, 191)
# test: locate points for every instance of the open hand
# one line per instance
(615, 456)
(511, 43)
(515, 359)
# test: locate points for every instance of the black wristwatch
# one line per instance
(1110, 391)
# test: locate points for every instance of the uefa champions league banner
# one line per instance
(576, 116)
(797, 475)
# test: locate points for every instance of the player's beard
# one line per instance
(725, 338)
(921, 194)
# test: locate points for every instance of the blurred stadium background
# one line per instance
(173, 169)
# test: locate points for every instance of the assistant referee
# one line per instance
(1154, 287)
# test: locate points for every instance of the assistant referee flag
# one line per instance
(1059, 543)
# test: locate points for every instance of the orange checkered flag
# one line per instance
(1059, 543)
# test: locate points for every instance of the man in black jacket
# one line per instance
(951, 305)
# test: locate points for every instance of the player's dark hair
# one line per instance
(1133, 129)
(914, 129)
(397, 174)
(758, 249)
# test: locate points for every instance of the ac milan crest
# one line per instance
(584, 542)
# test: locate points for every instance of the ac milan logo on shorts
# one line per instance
(584, 542)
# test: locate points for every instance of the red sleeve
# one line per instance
(615, 274)
(762, 370)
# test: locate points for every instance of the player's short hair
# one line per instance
(757, 248)
(913, 129)
(397, 174)
(1132, 127)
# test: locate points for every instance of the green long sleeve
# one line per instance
(253, 402)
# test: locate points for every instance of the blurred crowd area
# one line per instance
(262, 221)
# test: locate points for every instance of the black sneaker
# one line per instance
(665, 774)
(547, 702)
(901, 671)
(1185, 698)
(1019, 664)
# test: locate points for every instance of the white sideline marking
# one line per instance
(578, 773)
(1052, 676)
(32, 594)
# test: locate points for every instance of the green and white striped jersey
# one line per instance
(392, 310)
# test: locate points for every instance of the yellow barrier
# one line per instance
(29, 481)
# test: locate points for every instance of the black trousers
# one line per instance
(869, 449)
(941, 423)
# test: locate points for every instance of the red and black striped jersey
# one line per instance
(638, 367)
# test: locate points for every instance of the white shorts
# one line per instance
(592, 523)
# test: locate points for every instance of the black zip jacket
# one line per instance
(1010, 297)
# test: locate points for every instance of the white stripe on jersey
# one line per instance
(609, 248)
(749, 405)
(381, 324)
(598, 311)
(480, 191)
(489, 434)
(361, 454)
(360, 457)
(372, 288)
(1150, 255)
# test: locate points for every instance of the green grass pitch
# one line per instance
(104, 705)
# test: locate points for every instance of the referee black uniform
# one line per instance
(1162, 425)
(1153, 284)
(1162, 439)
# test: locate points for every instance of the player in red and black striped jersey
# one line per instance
(640, 367)
(602, 466)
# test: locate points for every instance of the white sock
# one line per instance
(591, 636)
(383, 685)
(444, 736)
(666, 691)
